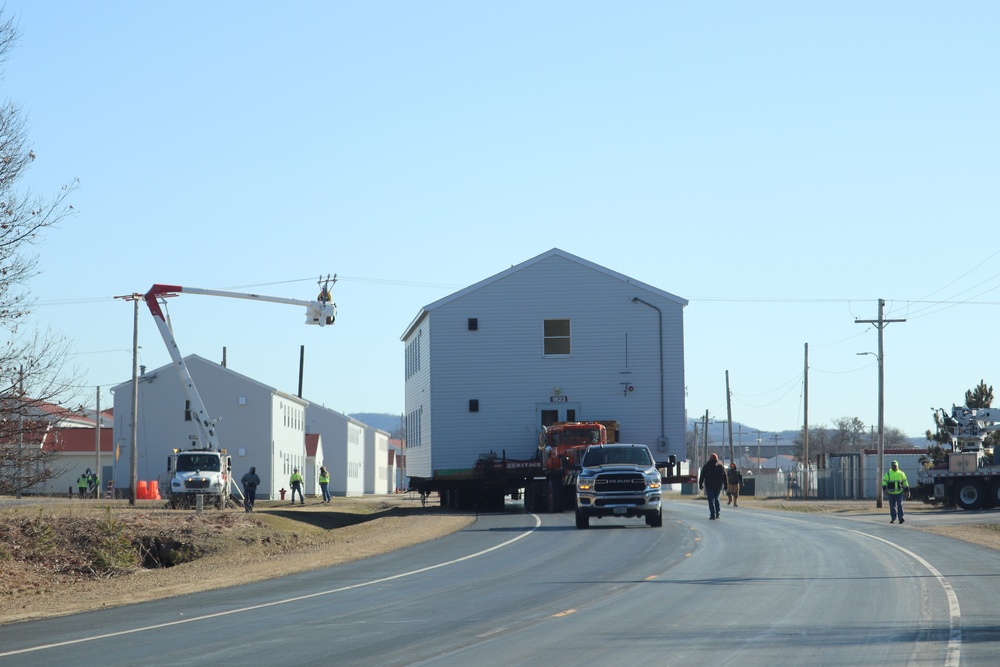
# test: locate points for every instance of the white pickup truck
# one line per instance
(618, 480)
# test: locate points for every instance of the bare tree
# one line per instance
(33, 366)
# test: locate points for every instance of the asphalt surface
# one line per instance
(757, 587)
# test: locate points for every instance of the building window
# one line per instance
(413, 355)
(473, 324)
(556, 338)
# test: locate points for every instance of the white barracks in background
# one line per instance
(376, 467)
(343, 447)
(258, 425)
(555, 338)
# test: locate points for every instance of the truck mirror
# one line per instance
(170, 464)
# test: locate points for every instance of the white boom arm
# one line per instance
(321, 312)
(969, 426)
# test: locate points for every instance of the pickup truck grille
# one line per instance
(619, 482)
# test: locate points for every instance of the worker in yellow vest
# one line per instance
(324, 483)
(296, 483)
(81, 485)
(894, 484)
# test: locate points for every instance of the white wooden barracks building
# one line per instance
(554, 338)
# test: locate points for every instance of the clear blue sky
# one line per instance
(781, 165)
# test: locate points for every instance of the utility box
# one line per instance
(966, 462)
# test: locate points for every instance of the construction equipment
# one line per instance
(968, 477)
(205, 469)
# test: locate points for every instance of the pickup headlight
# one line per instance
(585, 483)
(653, 482)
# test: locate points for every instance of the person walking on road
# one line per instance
(713, 480)
(894, 484)
(250, 482)
(734, 481)
(324, 483)
(295, 481)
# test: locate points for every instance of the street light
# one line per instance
(881, 427)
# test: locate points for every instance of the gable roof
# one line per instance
(214, 366)
(312, 444)
(555, 252)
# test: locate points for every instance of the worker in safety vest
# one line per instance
(296, 483)
(894, 484)
(324, 483)
(81, 485)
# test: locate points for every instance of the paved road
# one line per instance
(756, 588)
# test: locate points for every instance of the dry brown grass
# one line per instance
(63, 557)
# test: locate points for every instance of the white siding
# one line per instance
(417, 396)
(250, 425)
(343, 445)
(376, 460)
(615, 344)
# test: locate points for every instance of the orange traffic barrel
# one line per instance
(141, 491)
(154, 490)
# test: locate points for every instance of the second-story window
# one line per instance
(556, 338)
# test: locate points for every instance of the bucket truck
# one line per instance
(969, 476)
(206, 469)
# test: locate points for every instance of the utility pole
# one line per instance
(729, 415)
(135, 297)
(758, 448)
(805, 427)
(882, 323)
(695, 443)
(705, 435)
(97, 443)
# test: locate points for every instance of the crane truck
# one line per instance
(968, 477)
(205, 470)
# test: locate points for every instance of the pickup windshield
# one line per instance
(599, 456)
(196, 462)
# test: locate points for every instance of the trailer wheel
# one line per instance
(969, 495)
(555, 497)
(529, 497)
(534, 496)
(994, 494)
(582, 520)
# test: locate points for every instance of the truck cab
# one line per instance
(619, 480)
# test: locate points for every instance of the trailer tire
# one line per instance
(969, 495)
(554, 497)
(529, 497)
(534, 496)
(994, 495)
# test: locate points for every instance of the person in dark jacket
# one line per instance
(250, 482)
(734, 484)
(713, 480)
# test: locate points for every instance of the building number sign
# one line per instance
(558, 399)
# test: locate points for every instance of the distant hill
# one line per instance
(380, 420)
